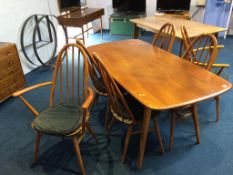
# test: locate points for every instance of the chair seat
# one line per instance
(61, 120)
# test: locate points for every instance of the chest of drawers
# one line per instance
(11, 74)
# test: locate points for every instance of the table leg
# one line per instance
(196, 122)
(136, 31)
(143, 136)
(83, 35)
(87, 29)
(101, 27)
(66, 34)
(181, 47)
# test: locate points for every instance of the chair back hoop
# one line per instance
(118, 103)
(92, 68)
(202, 51)
(165, 37)
(70, 78)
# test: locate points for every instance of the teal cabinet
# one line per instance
(119, 23)
(121, 27)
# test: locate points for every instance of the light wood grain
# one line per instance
(153, 24)
(156, 78)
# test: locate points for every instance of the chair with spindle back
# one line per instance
(125, 108)
(165, 37)
(70, 97)
(98, 84)
(203, 52)
(187, 42)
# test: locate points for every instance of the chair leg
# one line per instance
(126, 145)
(157, 132)
(172, 128)
(217, 108)
(91, 132)
(106, 116)
(36, 146)
(95, 100)
(110, 125)
(196, 122)
(77, 150)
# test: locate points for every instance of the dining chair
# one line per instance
(187, 41)
(203, 52)
(125, 108)
(98, 84)
(70, 97)
(165, 37)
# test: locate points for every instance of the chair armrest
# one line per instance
(89, 99)
(21, 92)
(218, 46)
(213, 65)
(27, 89)
(221, 65)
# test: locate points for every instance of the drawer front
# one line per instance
(11, 74)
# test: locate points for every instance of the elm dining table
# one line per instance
(156, 78)
(154, 23)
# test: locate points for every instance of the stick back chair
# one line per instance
(70, 97)
(125, 109)
(187, 42)
(165, 37)
(203, 52)
(98, 84)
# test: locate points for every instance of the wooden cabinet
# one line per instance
(11, 74)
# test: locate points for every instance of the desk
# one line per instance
(154, 23)
(156, 78)
(80, 17)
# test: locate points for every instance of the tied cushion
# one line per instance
(62, 119)
(134, 105)
(100, 85)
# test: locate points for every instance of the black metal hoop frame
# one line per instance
(36, 31)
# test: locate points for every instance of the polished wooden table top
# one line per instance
(78, 18)
(156, 78)
(153, 24)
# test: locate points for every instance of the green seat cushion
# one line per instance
(62, 119)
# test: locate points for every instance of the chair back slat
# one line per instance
(202, 51)
(67, 77)
(78, 75)
(73, 98)
(165, 37)
(61, 80)
(117, 100)
(92, 67)
(71, 73)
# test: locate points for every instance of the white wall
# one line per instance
(13, 13)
